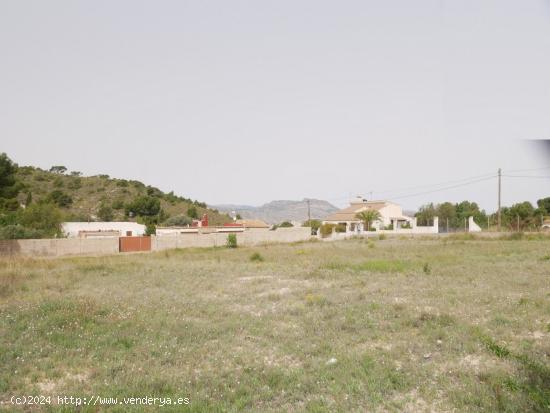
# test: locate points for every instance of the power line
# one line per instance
(527, 176)
(438, 184)
(459, 183)
(445, 188)
(527, 170)
(401, 190)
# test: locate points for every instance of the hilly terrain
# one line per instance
(278, 211)
(100, 197)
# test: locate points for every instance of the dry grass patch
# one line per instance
(318, 327)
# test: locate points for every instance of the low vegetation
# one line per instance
(410, 325)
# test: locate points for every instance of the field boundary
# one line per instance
(59, 247)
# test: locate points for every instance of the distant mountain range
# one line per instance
(275, 212)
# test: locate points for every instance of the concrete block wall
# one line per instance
(103, 246)
(246, 238)
(58, 247)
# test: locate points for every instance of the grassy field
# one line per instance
(386, 325)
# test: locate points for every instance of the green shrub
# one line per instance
(118, 204)
(326, 229)
(314, 224)
(43, 217)
(60, 198)
(427, 269)
(231, 241)
(340, 228)
(178, 221)
(382, 237)
(58, 182)
(256, 257)
(516, 236)
(150, 229)
(75, 183)
(192, 212)
(105, 213)
(19, 232)
(143, 206)
(285, 224)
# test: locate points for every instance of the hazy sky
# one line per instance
(250, 101)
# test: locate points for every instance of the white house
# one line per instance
(390, 214)
(102, 229)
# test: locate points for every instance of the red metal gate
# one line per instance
(131, 244)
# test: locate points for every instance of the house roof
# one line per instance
(252, 223)
(348, 214)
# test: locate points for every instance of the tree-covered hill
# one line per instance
(92, 198)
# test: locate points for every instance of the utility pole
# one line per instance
(447, 225)
(499, 191)
(308, 213)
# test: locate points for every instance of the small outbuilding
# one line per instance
(102, 229)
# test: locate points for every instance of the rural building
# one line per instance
(252, 223)
(239, 225)
(102, 229)
(390, 214)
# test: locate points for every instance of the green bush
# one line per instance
(231, 241)
(58, 182)
(256, 257)
(75, 183)
(285, 224)
(192, 212)
(60, 198)
(105, 213)
(146, 206)
(314, 224)
(43, 217)
(178, 221)
(19, 232)
(340, 228)
(118, 204)
(150, 229)
(326, 229)
(9, 204)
